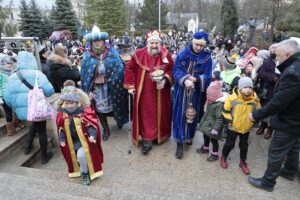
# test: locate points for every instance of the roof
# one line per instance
(180, 19)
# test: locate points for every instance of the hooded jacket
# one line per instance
(212, 118)
(16, 93)
(236, 111)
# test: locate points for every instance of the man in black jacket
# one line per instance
(284, 109)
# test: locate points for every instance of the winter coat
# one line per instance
(231, 78)
(236, 111)
(212, 118)
(16, 93)
(265, 75)
(284, 107)
(61, 69)
(3, 80)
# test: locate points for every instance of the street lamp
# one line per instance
(159, 12)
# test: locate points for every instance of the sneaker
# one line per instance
(203, 149)
(28, 148)
(85, 180)
(244, 167)
(223, 162)
(45, 160)
(212, 158)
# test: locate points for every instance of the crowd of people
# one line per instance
(179, 83)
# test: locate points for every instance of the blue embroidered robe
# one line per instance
(199, 66)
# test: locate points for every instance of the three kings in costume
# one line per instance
(192, 74)
(148, 76)
(102, 77)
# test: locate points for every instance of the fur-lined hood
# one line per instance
(59, 60)
(84, 100)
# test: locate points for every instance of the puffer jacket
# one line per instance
(212, 118)
(3, 81)
(236, 111)
(16, 93)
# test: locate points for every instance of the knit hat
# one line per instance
(200, 38)
(245, 82)
(214, 91)
(5, 59)
(229, 63)
(253, 50)
(69, 93)
(42, 50)
(263, 54)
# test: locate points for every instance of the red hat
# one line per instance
(253, 50)
(214, 91)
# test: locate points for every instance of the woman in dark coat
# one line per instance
(61, 68)
(267, 78)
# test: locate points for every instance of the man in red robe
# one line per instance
(148, 76)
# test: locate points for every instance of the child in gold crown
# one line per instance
(79, 135)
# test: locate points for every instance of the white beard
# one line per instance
(153, 52)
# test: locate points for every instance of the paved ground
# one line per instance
(160, 175)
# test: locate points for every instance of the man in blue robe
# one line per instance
(192, 74)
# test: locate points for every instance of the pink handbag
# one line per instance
(39, 108)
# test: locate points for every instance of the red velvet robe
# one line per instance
(152, 108)
(93, 150)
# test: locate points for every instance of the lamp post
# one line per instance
(159, 13)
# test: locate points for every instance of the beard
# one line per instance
(153, 51)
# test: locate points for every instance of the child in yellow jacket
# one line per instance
(236, 110)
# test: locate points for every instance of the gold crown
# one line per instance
(154, 35)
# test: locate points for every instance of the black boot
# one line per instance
(257, 182)
(28, 148)
(268, 134)
(46, 158)
(287, 175)
(262, 128)
(179, 151)
(85, 180)
(147, 146)
(104, 124)
(105, 134)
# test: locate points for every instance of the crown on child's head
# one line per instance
(69, 93)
